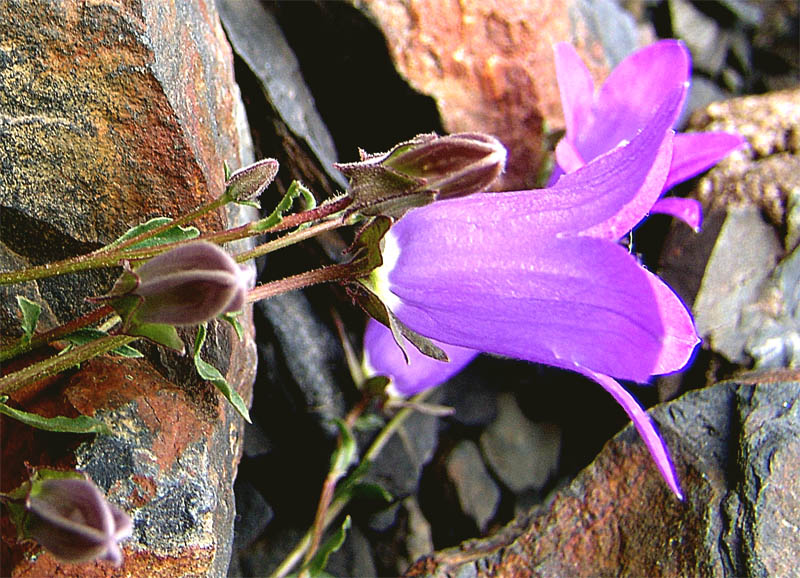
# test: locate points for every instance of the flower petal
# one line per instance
(644, 425)
(553, 301)
(382, 356)
(576, 87)
(631, 93)
(631, 177)
(690, 211)
(679, 338)
(695, 152)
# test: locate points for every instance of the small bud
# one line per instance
(188, 285)
(424, 169)
(71, 519)
(249, 182)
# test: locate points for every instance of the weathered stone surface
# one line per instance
(739, 516)
(489, 65)
(112, 113)
(476, 490)
(522, 453)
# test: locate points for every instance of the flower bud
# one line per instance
(249, 182)
(424, 169)
(188, 285)
(71, 519)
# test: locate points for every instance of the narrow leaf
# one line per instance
(317, 565)
(347, 452)
(296, 189)
(81, 424)
(87, 334)
(171, 235)
(212, 374)
(30, 316)
(160, 333)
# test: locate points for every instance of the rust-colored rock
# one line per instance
(490, 67)
(112, 113)
(617, 518)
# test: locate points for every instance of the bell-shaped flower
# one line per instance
(72, 519)
(188, 285)
(596, 122)
(539, 275)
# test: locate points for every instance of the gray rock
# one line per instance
(311, 353)
(743, 257)
(736, 447)
(478, 495)
(703, 36)
(612, 26)
(522, 453)
(258, 40)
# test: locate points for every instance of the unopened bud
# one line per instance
(72, 519)
(188, 285)
(424, 169)
(249, 182)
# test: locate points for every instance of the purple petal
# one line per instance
(630, 177)
(695, 152)
(644, 425)
(632, 92)
(557, 301)
(679, 339)
(568, 157)
(383, 357)
(690, 211)
(576, 87)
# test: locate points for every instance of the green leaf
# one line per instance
(87, 334)
(160, 333)
(296, 189)
(171, 235)
(212, 374)
(81, 424)
(347, 452)
(30, 316)
(316, 567)
(233, 319)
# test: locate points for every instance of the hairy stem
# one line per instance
(58, 363)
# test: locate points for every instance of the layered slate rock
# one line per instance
(736, 448)
(112, 113)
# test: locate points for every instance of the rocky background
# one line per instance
(522, 479)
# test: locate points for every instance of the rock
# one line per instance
(111, 115)
(738, 518)
(399, 465)
(744, 254)
(522, 453)
(306, 149)
(702, 35)
(489, 65)
(477, 492)
(311, 354)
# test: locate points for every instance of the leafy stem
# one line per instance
(338, 503)
(58, 363)
(56, 333)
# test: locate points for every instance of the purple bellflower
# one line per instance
(596, 122)
(71, 518)
(539, 275)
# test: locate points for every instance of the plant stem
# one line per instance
(112, 256)
(56, 333)
(338, 504)
(58, 363)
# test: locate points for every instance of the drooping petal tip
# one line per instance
(644, 425)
